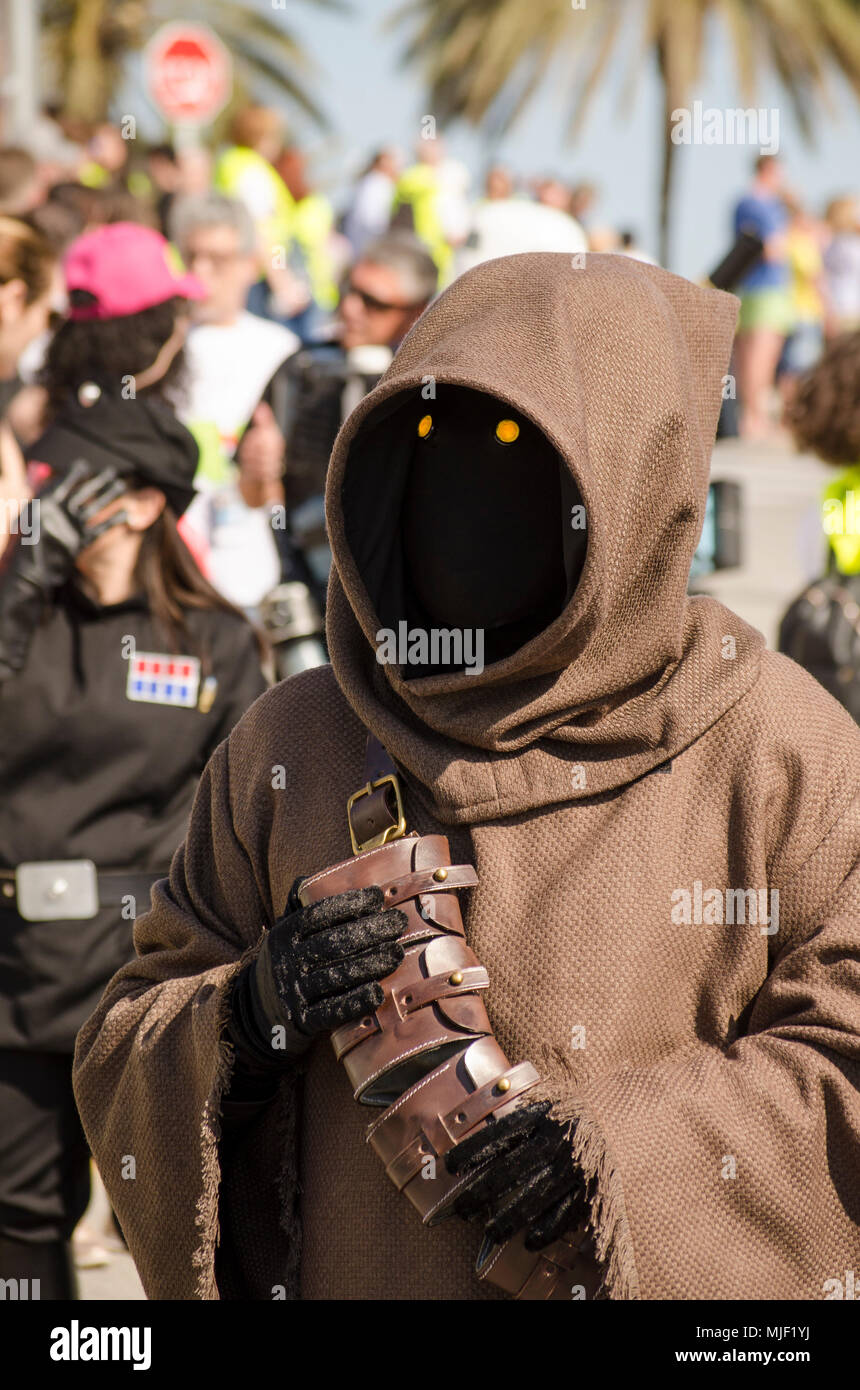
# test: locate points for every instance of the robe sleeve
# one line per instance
(734, 1171)
(152, 1064)
(242, 678)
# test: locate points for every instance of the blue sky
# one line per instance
(371, 100)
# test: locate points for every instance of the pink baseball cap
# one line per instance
(128, 268)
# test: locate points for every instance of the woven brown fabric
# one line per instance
(713, 1068)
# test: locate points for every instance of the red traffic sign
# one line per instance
(189, 73)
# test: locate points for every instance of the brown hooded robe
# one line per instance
(611, 782)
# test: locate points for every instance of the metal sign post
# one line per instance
(19, 37)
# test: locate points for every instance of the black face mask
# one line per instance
(483, 521)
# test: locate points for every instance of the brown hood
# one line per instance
(620, 365)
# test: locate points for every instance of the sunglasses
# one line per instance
(369, 301)
(215, 258)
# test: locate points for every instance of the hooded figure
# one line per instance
(662, 814)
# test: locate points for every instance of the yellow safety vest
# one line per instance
(313, 220)
(418, 187)
(232, 169)
(841, 519)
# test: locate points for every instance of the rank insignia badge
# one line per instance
(160, 679)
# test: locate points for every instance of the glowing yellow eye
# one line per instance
(425, 425)
(507, 431)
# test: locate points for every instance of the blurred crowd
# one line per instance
(301, 305)
(281, 250)
(803, 290)
(301, 310)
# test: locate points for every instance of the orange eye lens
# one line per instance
(507, 431)
(425, 425)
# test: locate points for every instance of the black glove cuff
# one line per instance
(254, 1081)
(256, 1012)
(243, 1031)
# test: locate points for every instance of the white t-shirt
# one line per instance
(237, 544)
(510, 226)
(842, 272)
(229, 369)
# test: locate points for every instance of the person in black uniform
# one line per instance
(121, 669)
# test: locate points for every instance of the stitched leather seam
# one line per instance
(367, 854)
(452, 1191)
(413, 1091)
(395, 1062)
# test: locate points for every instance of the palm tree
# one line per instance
(484, 59)
(89, 40)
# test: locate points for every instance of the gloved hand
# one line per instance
(317, 969)
(60, 518)
(530, 1180)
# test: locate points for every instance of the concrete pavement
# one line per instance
(783, 544)
(119, 1278)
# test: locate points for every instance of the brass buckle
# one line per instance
(391, 832)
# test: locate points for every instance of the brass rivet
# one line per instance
(456, 978)
(440, 875)
(504, 1084)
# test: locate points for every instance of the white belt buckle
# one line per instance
(58, 890)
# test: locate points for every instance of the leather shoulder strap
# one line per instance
(377, 762)
(375, 812)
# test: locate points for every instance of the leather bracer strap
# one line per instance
(427, 1056)
(432, 1004)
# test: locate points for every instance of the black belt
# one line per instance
(73, 889)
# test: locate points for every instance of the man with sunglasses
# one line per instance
(385, 292)
(382, 295)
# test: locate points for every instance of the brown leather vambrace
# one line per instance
(427, 1056)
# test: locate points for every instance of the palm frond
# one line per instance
(483, 59)
(596, 62)
(743, 32)
(258, 63)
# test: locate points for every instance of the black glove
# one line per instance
(317, 969)
(59, 518)
(530, 1180)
